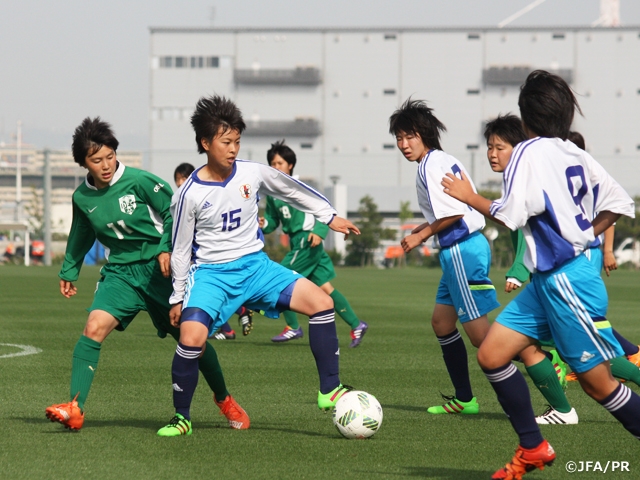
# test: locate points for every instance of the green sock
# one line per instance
(83, 367)
(623, 368)
(343, 308)
(212, 372)
(546, 380)
(291, 318)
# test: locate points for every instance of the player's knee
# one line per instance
(486, 360)
(325, 302)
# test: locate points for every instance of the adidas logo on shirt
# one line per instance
(206, 205)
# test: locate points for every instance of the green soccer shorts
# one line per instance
(312, 263)
(125, 290)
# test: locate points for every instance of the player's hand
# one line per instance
(609, 262)
(164, 259)
(342, 225)
(456, 188)
(175, 313)
(410, 242)
(510, 287)
(67, 289)
(261, 222)
(419, 228)
(314, 240)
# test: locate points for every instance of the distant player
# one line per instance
(245, 316)
(307, 255)
(216, 210)
(548, 192)
(465, 292)
(127, 210)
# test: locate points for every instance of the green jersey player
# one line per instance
(127, 210)
(307, 255)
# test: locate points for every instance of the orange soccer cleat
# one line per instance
(68, 414)
(236, 415)
(635, 358)
(525, 461)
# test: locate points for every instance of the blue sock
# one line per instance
(513, 394)
(184, 374)
(628, 347)
(226, 327)
(624, 405)
(323, 341)
(454, 353)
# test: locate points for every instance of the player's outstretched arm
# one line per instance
(463, 191)
(175, 313)
(164, 259)
(609, 262)
(67, 289)
(342, 225)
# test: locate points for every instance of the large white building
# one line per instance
(330, 93)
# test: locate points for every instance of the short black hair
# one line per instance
(414, 117)
(508, 127)
(89, 137)
(577, 139)
(547, 105)
(212, 114)
(279, 148)
(184, 170)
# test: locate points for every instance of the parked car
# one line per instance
(628, 251)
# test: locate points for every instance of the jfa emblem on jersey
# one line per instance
(245, 190)
(127, 204)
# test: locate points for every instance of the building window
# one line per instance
(213, 62)
(473, 36)
(473, 91)
(388, 146)
(166, 62)
(306, 145)
(558, 36)
(182, 62)
(389, 91)
(390, 36)
(197, 62)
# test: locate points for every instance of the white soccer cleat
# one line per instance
(554, 417)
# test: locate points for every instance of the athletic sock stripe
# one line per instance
(507, 372)
(620, 400)
(449, 340)
(188, 354)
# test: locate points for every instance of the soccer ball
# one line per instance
(357, 415)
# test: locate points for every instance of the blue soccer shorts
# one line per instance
(253, 281)
(567, 305)
(465, 282)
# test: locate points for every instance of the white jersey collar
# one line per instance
(116, 176)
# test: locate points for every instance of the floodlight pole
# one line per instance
(472, 148)
(18, 213)
(47, 208)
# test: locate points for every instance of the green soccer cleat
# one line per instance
(327, 401)
(177, 426)
(560, 368)
(454, 406)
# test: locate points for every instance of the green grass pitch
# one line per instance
(399, 362)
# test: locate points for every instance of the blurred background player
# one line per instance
(120, 206)
(465, 292)
(229, 267)
(307, 255)
(245, 316)
(548, 191)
